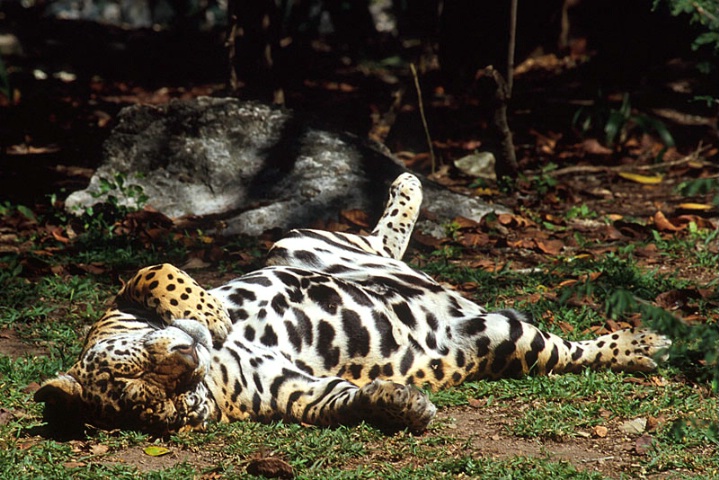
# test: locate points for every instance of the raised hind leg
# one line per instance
(393, 231)
(329, 251)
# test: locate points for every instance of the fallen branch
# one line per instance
(695, 156)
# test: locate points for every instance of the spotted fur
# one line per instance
(335, 329)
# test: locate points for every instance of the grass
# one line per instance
(52, 312)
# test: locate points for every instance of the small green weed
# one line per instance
(521, 467)
(697, 244)
(543, 182)
(701, 186)
(580, 211)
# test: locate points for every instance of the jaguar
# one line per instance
(335, 329)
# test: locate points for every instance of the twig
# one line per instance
(512, 42)
(574, 169)
(598, 459)
(421, 113)
(231, 50)
(507, 162)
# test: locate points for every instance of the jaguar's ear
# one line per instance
(62, 389)
(64, 410)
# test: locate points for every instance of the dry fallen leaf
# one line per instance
(194, 263)
(643, 179)
(475, 403)
(659, 382)
(546, 142)
(270, 467)
(526, 243)
(550, 247)
(6, 416)
(473, 240)
(643, 444)
(31, 387)
(634, 427)
(600, 431)
(614, 326)
(565, 327)
(593, 147)
(94, 268)
(664, 225)
(213, 475)
(486, 264)
(510, 220)
(654, 422)
(357, 217)
(428, 240)
(649, 251)
(465, 223)
(156, 450)
(700, 222)
(57, 235)
(695, 206)
(99, 449)
(30, 150)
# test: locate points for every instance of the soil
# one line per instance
(477, 432)
(11, 345)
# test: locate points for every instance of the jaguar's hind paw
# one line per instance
(392, 406)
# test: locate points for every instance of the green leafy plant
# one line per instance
(700, 12)
(122, 194)
(5, 88)
(7, 208)
(614, 125)
(701, 186)
(118, 198)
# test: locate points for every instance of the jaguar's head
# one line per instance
(133, 375)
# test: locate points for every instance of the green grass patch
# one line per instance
(51, 312)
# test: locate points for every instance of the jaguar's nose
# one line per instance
(189, 352)
(197, 332)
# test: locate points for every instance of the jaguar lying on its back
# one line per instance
(335, 330)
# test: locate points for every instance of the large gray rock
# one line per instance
(253, 166)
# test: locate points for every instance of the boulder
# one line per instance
(253, 166)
